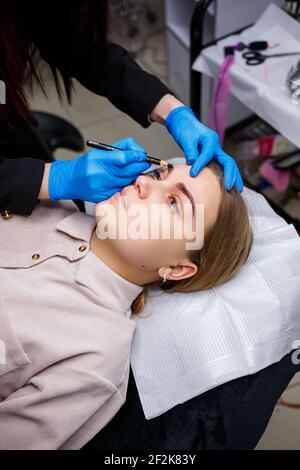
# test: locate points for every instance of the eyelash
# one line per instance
(174, 203)
(156, 175)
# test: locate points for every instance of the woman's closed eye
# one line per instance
(174, 203)
(158, 174)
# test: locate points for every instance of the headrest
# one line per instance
(187, 343)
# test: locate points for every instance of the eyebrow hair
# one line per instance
(182, 187)
(169, 169)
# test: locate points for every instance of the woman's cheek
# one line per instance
(147, 253)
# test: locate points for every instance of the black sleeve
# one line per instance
(123, 82)
(119, 78)
(20, 183)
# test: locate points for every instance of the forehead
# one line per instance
(205, 189)
(204, 186)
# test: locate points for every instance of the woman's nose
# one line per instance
(143, 184)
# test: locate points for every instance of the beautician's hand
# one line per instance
(200, 145)
(98, 174)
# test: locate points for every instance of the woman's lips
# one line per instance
(120, 195)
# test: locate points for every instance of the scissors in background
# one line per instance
(257, 58)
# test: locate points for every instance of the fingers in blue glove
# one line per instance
(191, 151)
(110, 193)
(129, 143)
(206, 155)
(133, 169)
(232, 175)
(123, 158)
(239, 182)
(235, 179)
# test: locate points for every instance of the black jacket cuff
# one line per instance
(21, 183)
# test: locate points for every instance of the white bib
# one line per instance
(187, 343)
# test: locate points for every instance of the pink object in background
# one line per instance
(218, 109)
(279, 179)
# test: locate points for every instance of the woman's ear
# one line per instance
(183, 270)
(164, 272)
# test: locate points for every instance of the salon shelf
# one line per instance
(221, 17)
(201, 86)
(290, 210)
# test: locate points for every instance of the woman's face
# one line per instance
(152, 221)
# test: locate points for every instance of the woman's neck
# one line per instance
(104, 250)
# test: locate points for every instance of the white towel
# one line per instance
(185, 344)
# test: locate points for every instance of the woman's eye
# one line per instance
(153, 174)
(161, 174)
(174, 203)
(157, 175)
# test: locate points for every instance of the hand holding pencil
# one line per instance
(101, 146)
(98, 174)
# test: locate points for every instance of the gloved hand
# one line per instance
(98, 174)
(200, 145)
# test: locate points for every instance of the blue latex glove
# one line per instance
(98, 174)
(200, 145)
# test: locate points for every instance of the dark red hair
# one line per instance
(20, 25)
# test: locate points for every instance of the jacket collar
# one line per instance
(78, 225)
(116, 292)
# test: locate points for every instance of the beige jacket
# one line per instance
(65, 331)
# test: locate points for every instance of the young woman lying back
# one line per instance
(66, 295)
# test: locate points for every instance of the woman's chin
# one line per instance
(104, 207)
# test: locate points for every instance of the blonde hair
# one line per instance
(226, 246)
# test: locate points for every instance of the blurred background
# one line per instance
(140, 29)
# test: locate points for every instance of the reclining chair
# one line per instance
(232, 416)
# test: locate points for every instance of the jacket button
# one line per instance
(82, 248)
(36, 256)
(6, 214)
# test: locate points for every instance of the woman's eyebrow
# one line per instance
(161, 169)
(182, 187)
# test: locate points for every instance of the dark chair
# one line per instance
(232, 416)
(58, 133)
(55, 132)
